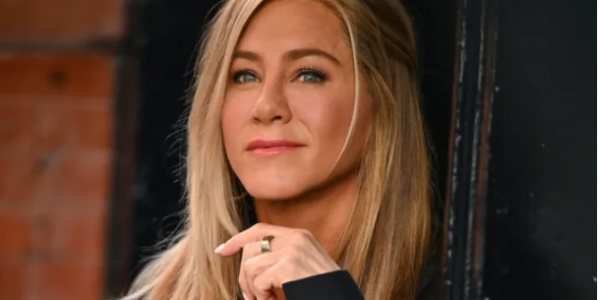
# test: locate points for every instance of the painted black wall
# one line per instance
(541, 216)
(170, 32)
(435, 23)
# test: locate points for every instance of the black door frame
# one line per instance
(473, 97)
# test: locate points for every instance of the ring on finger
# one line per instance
(265, 243)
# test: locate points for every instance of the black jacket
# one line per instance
(339, 285)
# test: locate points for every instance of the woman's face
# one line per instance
(289, 102)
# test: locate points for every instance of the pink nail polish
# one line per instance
(220, 248)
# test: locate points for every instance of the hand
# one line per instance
(295, 254)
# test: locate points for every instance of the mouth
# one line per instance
(272, 147)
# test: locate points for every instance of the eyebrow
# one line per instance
(290, 55)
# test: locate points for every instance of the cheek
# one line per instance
(327, 117)
(233, 115)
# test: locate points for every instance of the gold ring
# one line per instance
(265, 244)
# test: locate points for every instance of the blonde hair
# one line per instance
(385, 245)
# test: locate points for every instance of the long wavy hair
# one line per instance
(385, 244)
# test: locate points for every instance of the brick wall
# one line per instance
(56, 131)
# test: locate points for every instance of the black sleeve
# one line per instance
(337, 285)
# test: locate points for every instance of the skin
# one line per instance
(280, 90)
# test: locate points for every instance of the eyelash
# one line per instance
(239, 73)
(321, 76)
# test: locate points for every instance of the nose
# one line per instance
(272, 105)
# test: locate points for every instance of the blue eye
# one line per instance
(311, 76)
(244, 76)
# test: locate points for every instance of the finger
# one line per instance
(254, 261)
(253, 234)
(257, 265)
(267, 282)
(250, 250)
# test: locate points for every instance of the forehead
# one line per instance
(289, 24)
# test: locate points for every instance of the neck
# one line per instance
(323, 211)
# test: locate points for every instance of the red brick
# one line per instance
(15, 232)
(31, 128)
(60, 20)
(53, 129)
(77, 182)
(53, 235)
(75, 128)
(41, 238)
(12, 280)
(65, 281)
(19, 181)
(93, 128)
(17, 127)
(52, 75)
(77, 236)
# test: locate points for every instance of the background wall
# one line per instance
(171, 32)
(541, 225)
(57, 84)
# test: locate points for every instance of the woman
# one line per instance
(305, 123)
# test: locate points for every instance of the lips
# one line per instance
(272, 146)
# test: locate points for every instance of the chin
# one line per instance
(272, 189)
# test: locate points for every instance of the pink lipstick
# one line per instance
(272, 147)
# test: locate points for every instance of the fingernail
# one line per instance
(244, 295)
(220, 248)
